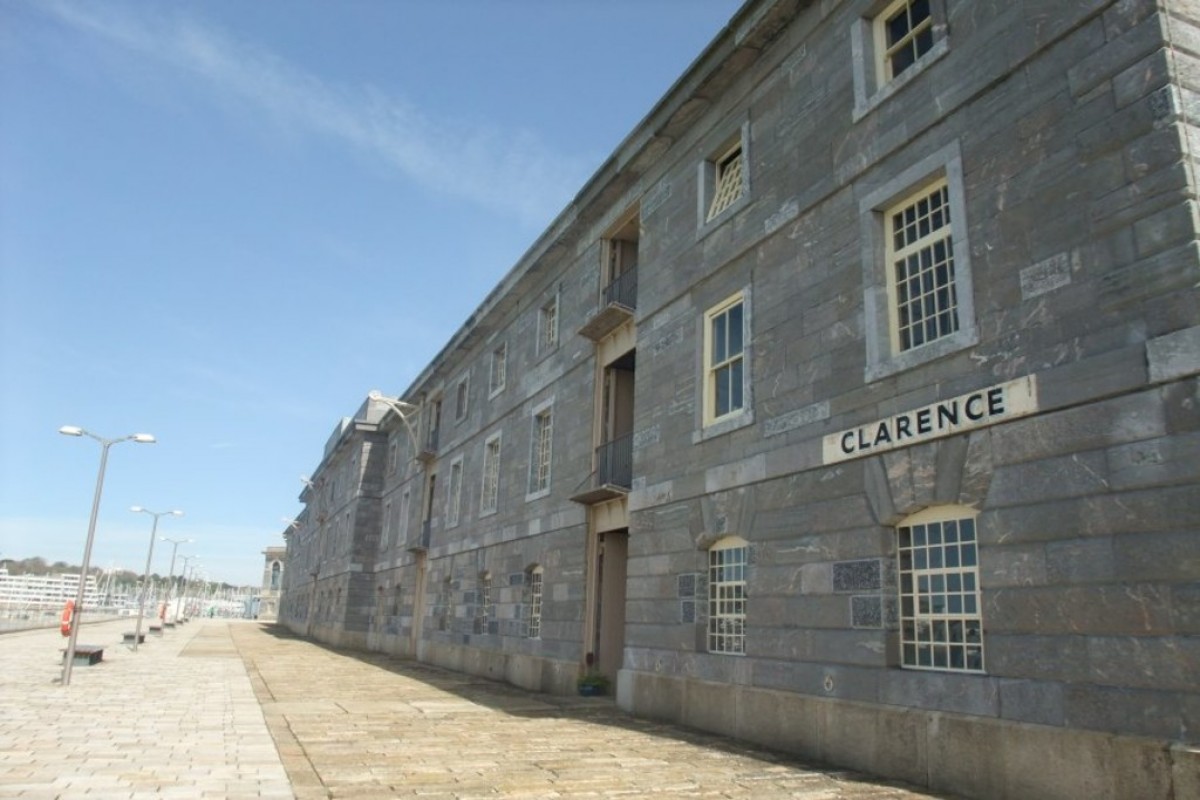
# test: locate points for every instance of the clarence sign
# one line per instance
(966, 412)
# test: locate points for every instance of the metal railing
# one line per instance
(614, 462)
(623, 289)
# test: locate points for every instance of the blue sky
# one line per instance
(224, 222)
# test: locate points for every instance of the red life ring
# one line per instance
(68, 616)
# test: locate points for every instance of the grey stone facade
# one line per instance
(1060, 413)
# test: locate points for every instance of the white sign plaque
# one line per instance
(976, 409)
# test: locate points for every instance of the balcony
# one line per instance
(429, 447)
(614, 472)
(422, 542)
(618, 305)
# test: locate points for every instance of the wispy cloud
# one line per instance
(510, 172)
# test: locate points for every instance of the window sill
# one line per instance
(723, 426)
(865, 105)
(538, 495)
(909, 359)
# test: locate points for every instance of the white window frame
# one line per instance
(728, 564)
(454, 490)
(541, 453)
(532, 599)
(716, 368)
(547, 329)
(874, 81)
(723, 189)
(884, 356)
(941, 609)
(708, 424)
(489, 490)
(498, 371)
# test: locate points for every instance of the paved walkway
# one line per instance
(239, 709)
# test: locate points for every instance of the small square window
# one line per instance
(904, 33)
(728, 182)
(724, 179)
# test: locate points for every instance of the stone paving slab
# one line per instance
(365, 725)
(240, 709)
(178, 718)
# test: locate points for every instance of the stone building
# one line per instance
(272, 583)
(851, 407)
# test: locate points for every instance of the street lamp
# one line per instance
(171, 573)
(72, 430)
(403, 411)
(137, 634)
(182, 599)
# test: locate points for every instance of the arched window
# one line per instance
(532, 598)
(727, 560)
(941, 626)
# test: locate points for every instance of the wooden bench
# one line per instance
(156, 630)
(87, 654)
(168, 624)
(129, 636)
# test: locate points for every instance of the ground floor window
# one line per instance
(941, 626)
(727, 561)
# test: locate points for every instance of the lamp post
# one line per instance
(137, 634)
(72, 430)
(182, 599)
(403, 411)
(171, 573)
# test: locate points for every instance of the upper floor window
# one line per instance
(461, 397)
(921, 274)
(904, 33)
(724, 346)
(454, 491)
(489, 493)
(541, 439)
(724, 179)
(941, 626)
(918, 300)
(727, 561)
(532, 598)
(548, 325)
(498, 375)
(893, 42)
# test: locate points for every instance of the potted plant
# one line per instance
(592, 683)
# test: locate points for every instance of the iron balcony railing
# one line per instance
(623, 289)
(614, 462)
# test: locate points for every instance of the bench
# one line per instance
(156, 630)
(87, 654)
(168, 624)
(129, 636)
